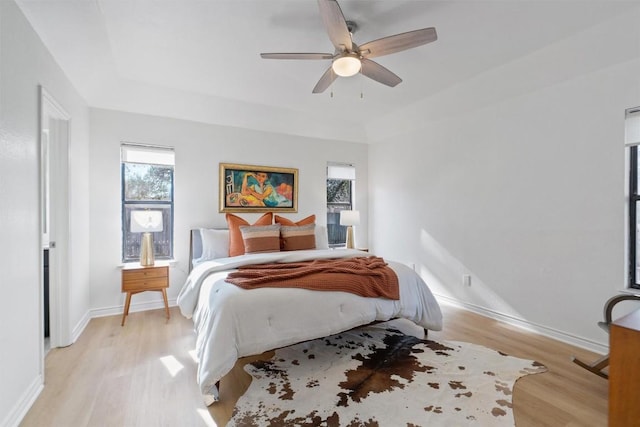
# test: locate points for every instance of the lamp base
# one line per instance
(147, 258)
(350, 239)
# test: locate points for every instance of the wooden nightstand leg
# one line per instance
(126, 307)
(166, 303)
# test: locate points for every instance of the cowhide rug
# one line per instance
(378, 376)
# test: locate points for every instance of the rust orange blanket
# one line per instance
(364, 276)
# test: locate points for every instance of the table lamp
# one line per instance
(350, 218)
(146, 222)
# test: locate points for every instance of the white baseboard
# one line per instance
(16, 415)
(134, 307)
(82, 324)
(574, 340)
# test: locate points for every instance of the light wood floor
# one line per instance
(143, 374)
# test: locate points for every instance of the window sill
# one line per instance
(158, 263)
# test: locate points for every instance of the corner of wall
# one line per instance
(24, 403)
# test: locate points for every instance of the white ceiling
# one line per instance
(199, 59)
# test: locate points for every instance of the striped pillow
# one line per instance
(297, 238)
(260, 238)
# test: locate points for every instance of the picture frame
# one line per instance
(251, 188)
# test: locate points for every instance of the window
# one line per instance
(632, 138)
(340, 184)
(147, 184)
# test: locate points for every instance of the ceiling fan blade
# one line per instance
(398, 42)
(335, 24)
(296, 55)
(377, 72)
(325, 81)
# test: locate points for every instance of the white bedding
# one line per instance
(231, 322)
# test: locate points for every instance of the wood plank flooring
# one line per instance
(143, 374)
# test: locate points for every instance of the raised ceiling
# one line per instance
(199, 59)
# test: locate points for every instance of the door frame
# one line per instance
(54, 136)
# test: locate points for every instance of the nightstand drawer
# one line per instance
(144, 273)
(139, 285)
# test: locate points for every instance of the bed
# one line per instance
(231, 322)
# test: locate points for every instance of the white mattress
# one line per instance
(231, 322)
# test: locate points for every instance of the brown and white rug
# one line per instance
(378, 376)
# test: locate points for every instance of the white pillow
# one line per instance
(322, 238)
(215, 244)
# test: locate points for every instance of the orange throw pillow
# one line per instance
(236, 244)
(311, 219)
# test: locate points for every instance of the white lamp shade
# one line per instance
(146, 221)
(349, 218)
(346, 66)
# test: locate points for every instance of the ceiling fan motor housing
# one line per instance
(352, 26)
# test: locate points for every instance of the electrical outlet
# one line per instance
(466, 280)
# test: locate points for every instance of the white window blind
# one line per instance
(632, 126)
(341, 171)
(132, 153)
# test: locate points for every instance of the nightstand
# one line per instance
(136, 279)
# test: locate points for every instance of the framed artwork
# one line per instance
(249, 188)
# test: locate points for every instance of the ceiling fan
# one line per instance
(349, 58)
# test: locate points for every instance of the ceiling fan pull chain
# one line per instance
(333, 74)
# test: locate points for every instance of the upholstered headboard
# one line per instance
(195, 246)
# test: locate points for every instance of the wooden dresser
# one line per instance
(624, 371)
(136, 278)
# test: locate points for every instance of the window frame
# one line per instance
(347, 173)
(634, 198)
(162, 204)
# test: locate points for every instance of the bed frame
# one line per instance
(195, 252)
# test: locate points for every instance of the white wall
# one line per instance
(199, 149)
(517, 178)
(24, 64)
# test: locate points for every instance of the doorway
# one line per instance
(54, 224)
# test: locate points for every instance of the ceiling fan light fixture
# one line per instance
(347, 65)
